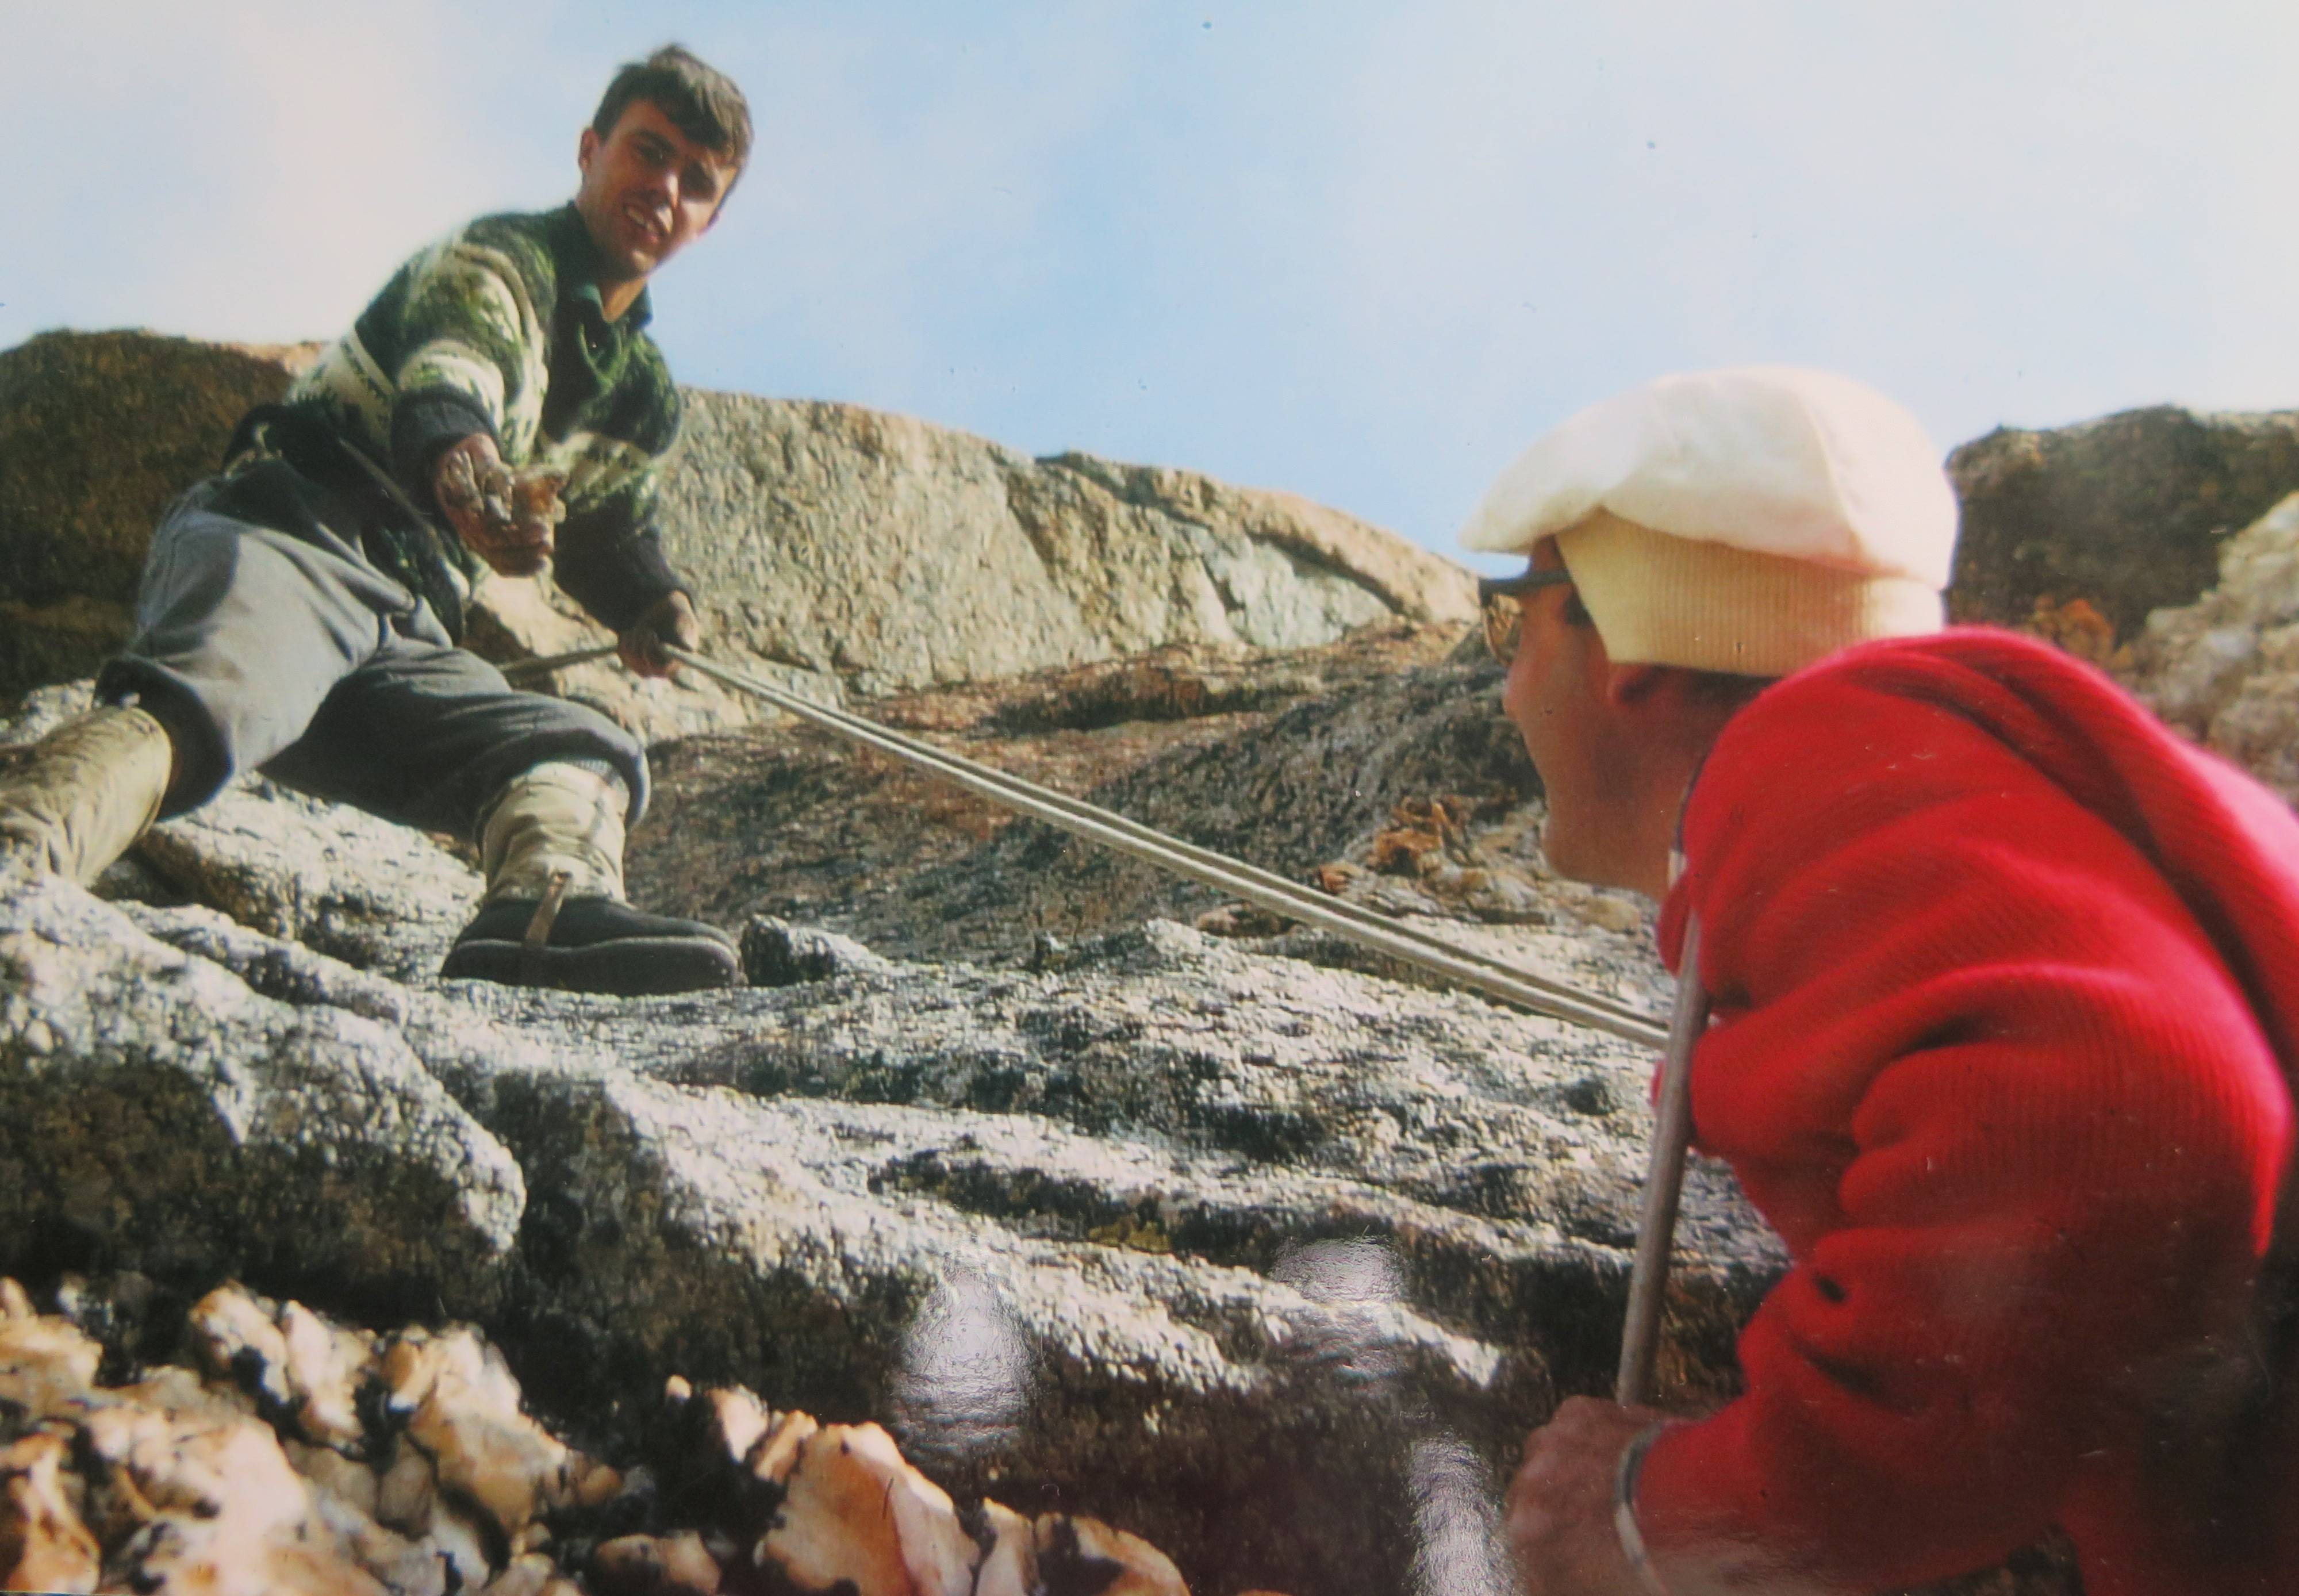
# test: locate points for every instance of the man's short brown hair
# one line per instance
(700, 101)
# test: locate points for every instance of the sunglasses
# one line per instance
(1499, 599)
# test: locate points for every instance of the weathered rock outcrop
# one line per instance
(893, 554)
(870, 548)
(2225, 669)
(2125, 513)
(148, 1093)
(1304, 773)
(903, 554)
(1266, 1237)
(98, 431)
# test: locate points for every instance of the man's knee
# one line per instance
(202, 755)
(241, 634)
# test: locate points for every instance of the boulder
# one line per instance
(99, 431)
(154, 1109)
(2125, 513)
(826, 541)
(901, 554)
(2225, 670)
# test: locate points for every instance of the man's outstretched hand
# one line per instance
(671, 621)
(1560, 1505)
(508, 519)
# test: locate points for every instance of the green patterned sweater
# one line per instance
(499, 329)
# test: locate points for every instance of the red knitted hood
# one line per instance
(2226, 844)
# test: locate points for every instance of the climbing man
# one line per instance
(497, 405)
(2004, 981)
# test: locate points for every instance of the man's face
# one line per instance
(1557, 695)
(648, 190)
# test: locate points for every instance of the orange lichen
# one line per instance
(43, 1546)
(280, 1474)
(2076, 626)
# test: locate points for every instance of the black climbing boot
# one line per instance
(591, 944)
(551, 844)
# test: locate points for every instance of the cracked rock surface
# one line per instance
(1173, 1227)
(835, 540)
(1219, 1232)
(2225, 669)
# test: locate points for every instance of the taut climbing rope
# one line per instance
(1665, 1172)
(1476, 971)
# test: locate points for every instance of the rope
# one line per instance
(1632, 1386)
(1477, 972)
(530, 670)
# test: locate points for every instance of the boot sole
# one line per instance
(626, 967)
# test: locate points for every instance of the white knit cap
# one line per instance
(1751, 519)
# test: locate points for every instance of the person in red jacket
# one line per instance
(2005, 988)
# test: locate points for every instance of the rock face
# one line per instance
(99, 431)
(1306, 774)
(1255, 1239)
(1103, 1195)
(904, 554)
(1270, 1260)
(2225, 669)
(2125, 513)
(857, 549)
(866, 548)
(146, 1092)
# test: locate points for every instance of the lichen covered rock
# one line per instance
(825, 541)
(2125, 512)
(2225, 669)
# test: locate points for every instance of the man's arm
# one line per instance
(474, 317)
(611, 557)
(471, 324)
(509, 519)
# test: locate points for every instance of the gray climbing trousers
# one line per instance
(279, 647)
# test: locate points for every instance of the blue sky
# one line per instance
(1364, 252)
